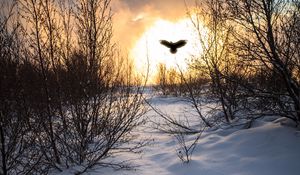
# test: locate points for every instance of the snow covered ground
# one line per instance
(270, 147)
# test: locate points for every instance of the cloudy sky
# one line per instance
(133, 17)
(139, 25)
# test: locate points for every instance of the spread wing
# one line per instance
(180, 43)
(166, 43)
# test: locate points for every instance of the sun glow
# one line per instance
(148, 52)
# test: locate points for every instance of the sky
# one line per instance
(137, 22)
(133, 17)
(139, 25)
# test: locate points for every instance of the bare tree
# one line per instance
(16, 153)
(79, 108)
(216, 61)
(41, 24)
(266, 37)
(162, 78)
(103, 110)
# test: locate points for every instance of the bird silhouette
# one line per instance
(173, 46)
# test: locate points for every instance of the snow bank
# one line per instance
(268, 148)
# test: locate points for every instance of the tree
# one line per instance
(162, 78)
(16, 153)
(216, 61)
(66, 100)
(265, 31)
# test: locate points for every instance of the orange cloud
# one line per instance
(133, 17)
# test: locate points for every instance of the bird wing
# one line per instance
(180, 43)
(166, 43)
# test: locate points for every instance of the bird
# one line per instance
(173, 46)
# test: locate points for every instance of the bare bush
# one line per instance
(216, 61)
(17, 155)
(67, 99)
(264, 41)
(185, 150)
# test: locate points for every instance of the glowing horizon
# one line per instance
(148, 48)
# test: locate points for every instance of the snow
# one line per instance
(269, 147)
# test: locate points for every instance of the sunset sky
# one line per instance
(140, 24)
(133, 17)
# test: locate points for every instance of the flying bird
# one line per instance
(173, 46)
